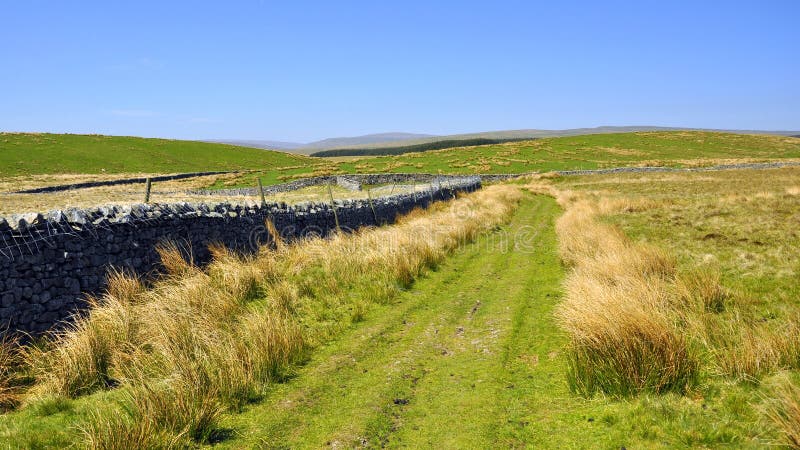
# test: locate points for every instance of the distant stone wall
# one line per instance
(350, 181)
(49, 262)
(138, 180)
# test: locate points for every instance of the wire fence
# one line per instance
(83, 213)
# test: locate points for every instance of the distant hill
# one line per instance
(255, 143)
(496, 137)
(367, 140)
(590, 151)
(340, 142)
(398, 143)
(535, 133)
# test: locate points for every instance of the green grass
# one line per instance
(739, 227)
(577, 152)
(460, 361)
(468, 357)
(29, 154)
(591, 151)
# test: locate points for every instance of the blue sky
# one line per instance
(300, 71)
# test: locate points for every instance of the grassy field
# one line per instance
(33, 154)
(743, 222)
(695, 276)
(24, 156)
(579, 152)
(453, 359)
(606, 311)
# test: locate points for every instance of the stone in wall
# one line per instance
(49, 262)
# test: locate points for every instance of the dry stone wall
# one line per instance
(354, 182)
(138, 180)
(49, 262)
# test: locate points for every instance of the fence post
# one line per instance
(333, 205)
(261, 191)
(372, 207)
(147, 186)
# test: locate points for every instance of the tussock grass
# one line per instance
(201, 342)
(79, 359)
(617, 310)
(746, 349)
(172, 258)
(155, 418)
(701, 290)
(622, 340)
(12, 378)
(783, 410)
(631, 314)
(732, 303)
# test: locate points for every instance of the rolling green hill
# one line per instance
(26, 153)
(372, 144)
(587, 152)
(663, 148)
(34, 153)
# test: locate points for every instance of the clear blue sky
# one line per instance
(301, 71)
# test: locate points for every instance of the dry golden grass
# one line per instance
(747, 349)
(734, 228)
(154, 417)
(173, 259)
(11, 379)
(728, 289)
(708, 162)
(617, 309)
(202, 341)
(103, 195)
(619, 290)
(784, 410)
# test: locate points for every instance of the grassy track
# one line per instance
(466, 359)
